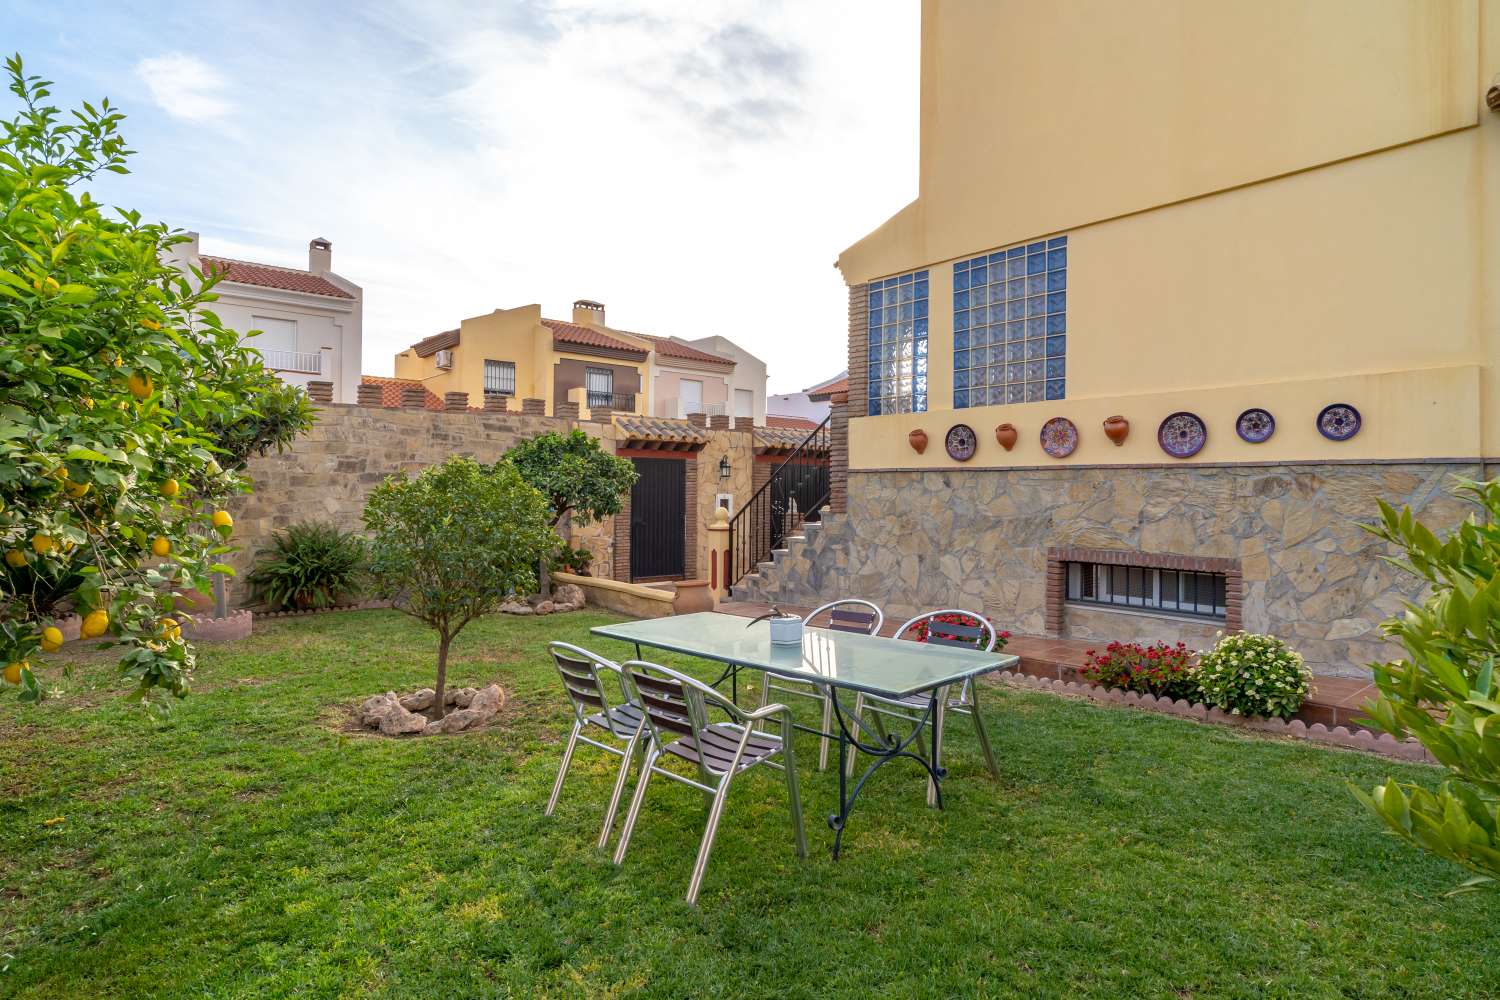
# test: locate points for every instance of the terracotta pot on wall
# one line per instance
(918, 440)
(1117, 428)
(1006, 435)
(692, 597)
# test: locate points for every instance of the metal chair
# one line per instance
(676, 708)
(581, 676)
(911, 708)
(843, 616)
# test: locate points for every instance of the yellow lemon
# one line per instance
(87, 401)
(42, 544)
(78, 490)
(161, 546)
(170, 489)
(52, 639)
(140, 386)
(15, 558)
(170, 629)
(222, 520)
(13, 671)
(95, 624)
(150, 324)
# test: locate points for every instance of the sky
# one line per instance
(696, 165)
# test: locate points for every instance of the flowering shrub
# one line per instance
(1157, 669)
(920, 629)
(1248, 674)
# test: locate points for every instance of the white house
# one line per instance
(309, 321)
(811, 403)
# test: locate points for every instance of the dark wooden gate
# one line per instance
(657, 509)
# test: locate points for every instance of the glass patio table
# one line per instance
(839, 661)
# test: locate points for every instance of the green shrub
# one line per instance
(1444, 692)
(1248, 674)
(572, 561)
(308, 565)
(1157, 669)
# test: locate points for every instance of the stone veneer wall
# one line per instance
(979, 538)
(328, 474)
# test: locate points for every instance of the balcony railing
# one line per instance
(624, 401)
(309, 362)
(678, 409)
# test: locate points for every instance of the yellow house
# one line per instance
(1261, 234)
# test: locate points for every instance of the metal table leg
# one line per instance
(884, 750)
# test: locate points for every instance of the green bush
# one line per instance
(1159, 669)
(575, 561)
(308, 565)
(1249, 674)
(1444, 692)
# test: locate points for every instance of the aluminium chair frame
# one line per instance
(589, 697)
(676, 710)
(812, 689)
(966, 703)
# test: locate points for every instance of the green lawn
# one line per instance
(249, 846)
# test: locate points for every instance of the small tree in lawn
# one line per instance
(449, 544)
(579, 479)
(1446, 692)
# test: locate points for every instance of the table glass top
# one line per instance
(843, 659)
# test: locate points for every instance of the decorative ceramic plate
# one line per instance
(961, 442)
(1339, 422)
(1182, 435)
(1255, 425)
(1059, 437)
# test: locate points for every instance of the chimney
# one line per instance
(587, 312)
(319, 256)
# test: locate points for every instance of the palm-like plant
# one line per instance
(308, 565)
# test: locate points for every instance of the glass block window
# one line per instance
(898, 344)
(1010, 325)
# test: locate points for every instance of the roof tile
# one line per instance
(584, 336)
(242, 272)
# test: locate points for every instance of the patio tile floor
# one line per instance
(1335, 701)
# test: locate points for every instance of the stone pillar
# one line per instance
(838, 458)
(369, 394)
(698, 419)
(761, 474)
(601, 414)
(859, 350)
(622, 541)
(495, 403)
(719, 422)
(718, 554)
(413, 397)
(690, 522)
(456, 402)
(1056, 594)
(534, 407)
(564, 408)
(744, 423)
(320, 392)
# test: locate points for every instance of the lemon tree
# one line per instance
(118, 391)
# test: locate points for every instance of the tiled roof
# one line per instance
(390, 390)
(269, 276)
(584, 336)
(785, 439)
(669, 348)
(428, 346)
(772, 420)
(840, 384)
(660, 433)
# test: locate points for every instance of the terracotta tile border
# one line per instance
(1338, 736)
(1059, 556)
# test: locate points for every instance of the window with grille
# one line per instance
(601, 386)
(1145, 588)
(898, 344)
(499, 378)
(1010, 325)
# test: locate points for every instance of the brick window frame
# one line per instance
(1058, 558)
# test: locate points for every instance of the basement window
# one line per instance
(1144, 588)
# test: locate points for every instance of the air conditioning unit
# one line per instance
(445, 359)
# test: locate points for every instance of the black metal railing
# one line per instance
(613, 400)
(796, 492)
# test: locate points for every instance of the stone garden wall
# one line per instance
(917, 540)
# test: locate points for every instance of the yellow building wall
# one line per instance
(1369, 280)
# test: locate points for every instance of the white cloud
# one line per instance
(185, 87)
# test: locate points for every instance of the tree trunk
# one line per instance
(440, 697)
(543, 579)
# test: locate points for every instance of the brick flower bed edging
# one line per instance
(360, 606)
(1339, 736)
(235, 625)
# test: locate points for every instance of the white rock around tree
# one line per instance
(397, 715)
